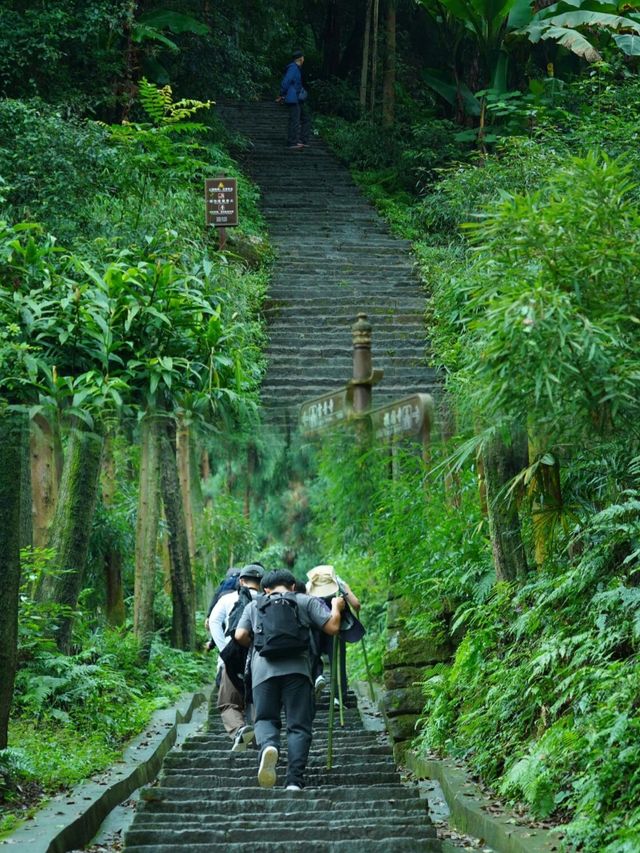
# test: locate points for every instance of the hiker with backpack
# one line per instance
(223, 621)
(324, 583)
(278, 623)
(229, 583)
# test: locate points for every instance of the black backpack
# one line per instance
(279, 632)
(244, 598)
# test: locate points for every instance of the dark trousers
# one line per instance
(327, 648)
(294, 694)
(299, 123)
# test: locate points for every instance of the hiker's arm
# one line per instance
(216, 623)
(352, 600)
(243, 637)
(332, 625)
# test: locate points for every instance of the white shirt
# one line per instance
(219, 617)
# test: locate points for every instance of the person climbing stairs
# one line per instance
(208, 798)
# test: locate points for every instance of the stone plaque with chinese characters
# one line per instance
(403, 417)
(323, 412)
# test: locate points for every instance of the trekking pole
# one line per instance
(332, 696)
(338, 642)
(366, 666)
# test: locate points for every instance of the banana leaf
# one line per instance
(446, 88)
(627, 43)
(175, 22)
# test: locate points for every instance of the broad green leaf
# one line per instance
(628, 43)
(175, 22)
(583, 18)
(443, 85)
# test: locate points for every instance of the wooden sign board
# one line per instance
(325, 411)
(221, 202)
(403, 417)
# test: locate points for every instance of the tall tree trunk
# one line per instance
(374, 56)
(46, 471)
(13, 434)
(389, 82)
(114, 597)
(72, 523)
(545, 491)
(183, 625)
(147, 531)
(252, 458)
(331, 39)
(364, 71)
(26, 505)
(504, 523)
(183, 459)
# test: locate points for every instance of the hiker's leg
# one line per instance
(293, 135)
(297, 698)
(305, 123)
(342, 652)
(342, 665)
(267, 701)
(230, 705)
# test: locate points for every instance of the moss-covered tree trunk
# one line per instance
(499, 463)
(189, 483)
(26, 507)
(13, 430)
(46, 471)
(72, 523)
(147, 531)
(545, 492)
(183, 625)
(114, 594)
(389, 80)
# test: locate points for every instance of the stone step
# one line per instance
(397, 844)
(297, 808)
(337, 794)
(230, 835)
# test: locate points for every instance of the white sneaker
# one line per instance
(293, 788)
(243, 738)
(321, 683)
(267, 769)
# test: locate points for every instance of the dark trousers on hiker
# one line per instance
(299, 123)
(327, 649)
(294, 694)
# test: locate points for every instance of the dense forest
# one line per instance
(502, 140)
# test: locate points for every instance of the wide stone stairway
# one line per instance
(335, 258)
(208, 798)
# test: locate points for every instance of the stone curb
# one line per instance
(468, 806)
(71, 820)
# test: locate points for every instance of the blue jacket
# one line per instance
(291, 87)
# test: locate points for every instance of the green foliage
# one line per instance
(66, 51)
(72, 714)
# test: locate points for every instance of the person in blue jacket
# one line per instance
(294, 95)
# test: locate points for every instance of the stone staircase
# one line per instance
(208, 799)
(335, 258)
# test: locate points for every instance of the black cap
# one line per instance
(297, 53)
(252, 571)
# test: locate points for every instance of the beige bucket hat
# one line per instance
(322, 581)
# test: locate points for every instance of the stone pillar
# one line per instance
(362, 364)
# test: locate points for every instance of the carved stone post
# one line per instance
(362, 364)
